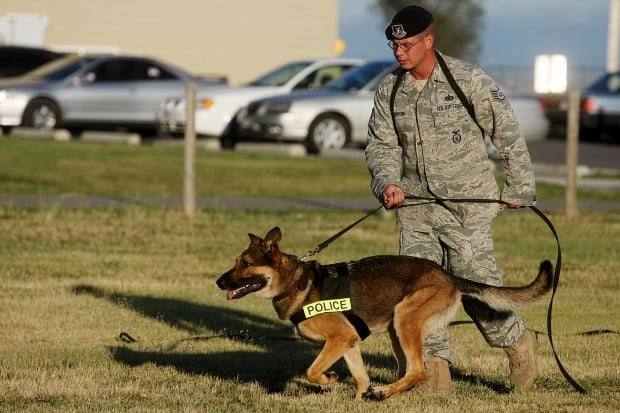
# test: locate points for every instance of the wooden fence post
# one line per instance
(572, 153)
(189, 187)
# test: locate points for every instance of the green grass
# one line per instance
(74, 279)
(79, 168)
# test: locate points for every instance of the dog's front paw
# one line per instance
(373, 395)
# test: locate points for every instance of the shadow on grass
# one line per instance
(281, 359)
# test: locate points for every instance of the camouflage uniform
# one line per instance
(439, 152)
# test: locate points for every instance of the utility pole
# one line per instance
(613, 36)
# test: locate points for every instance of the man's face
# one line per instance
(410, 52)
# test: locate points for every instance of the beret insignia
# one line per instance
(398, 31)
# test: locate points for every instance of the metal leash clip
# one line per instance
(310, 253)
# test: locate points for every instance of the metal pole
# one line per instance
(189, 193)
(572, 153)
(613, 36)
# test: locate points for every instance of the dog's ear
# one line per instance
(270, 246)
(254, 240)
(273, 236)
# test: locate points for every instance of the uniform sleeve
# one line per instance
(383, 153)
(495, 115)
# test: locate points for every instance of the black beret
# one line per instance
(408, 22)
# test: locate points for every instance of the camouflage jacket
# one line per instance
(439, 150)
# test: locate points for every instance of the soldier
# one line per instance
(424, 142)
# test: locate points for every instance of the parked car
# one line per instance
(97, 91)
(338, 115)
(216, 109)
(323, 119)
(17, 60)
(600, 105)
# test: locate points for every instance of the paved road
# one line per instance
(591, 154)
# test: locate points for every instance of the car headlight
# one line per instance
(276, 107)
(4, 95)
(168, 105)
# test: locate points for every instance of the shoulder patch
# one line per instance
(498, 94)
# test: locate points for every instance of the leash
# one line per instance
(556, 275)
(325, 244)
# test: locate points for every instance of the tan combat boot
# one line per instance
(522, 361)
(438, 379)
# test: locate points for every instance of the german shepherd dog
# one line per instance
(406, 296)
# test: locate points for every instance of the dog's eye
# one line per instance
(244, 264)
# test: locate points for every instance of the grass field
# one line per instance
(117, 309)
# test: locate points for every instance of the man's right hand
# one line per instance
(393, 195)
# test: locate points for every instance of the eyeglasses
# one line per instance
(405, 47)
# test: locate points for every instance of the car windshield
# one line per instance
(60, 68)
(280, 76)
(357, 78)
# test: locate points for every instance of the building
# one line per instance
(239, 38)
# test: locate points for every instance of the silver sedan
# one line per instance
(337, 116)
(324, 119)
(98, 91)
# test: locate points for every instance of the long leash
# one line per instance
(328, 241)
(556, 275)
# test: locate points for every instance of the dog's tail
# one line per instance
(507, 298)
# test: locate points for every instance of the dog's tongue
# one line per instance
(230, 294)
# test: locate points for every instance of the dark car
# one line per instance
(600, 106)
(17, 60)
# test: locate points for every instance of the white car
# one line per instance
(336, 116)
(325, 119)
(216, 109)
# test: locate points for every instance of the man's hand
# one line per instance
(504, 205)
(393, 196)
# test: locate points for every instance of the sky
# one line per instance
(514, 32)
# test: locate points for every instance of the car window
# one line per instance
(609, 83)
(116, 71)
(613, 84)
(149, 71)
(320, 77)
(280, 76)
(60, 68)
(359, 77)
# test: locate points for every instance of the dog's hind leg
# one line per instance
(397, 350)
(411, 318)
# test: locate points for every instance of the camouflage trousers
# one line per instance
(466, 253)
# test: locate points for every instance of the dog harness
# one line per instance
(335, 298)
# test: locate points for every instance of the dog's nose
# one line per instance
(221, 282)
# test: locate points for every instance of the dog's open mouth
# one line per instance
(252, 286)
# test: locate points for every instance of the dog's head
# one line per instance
(257, 269)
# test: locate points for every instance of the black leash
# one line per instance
(326, 243)
(556, 275)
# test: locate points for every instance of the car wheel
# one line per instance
(41, 114)
(6, 130)
(327, 132)
(230, 138)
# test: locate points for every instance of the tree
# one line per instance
(457, 23)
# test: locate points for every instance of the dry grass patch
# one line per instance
(73, 280)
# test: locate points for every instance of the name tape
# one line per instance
(327, 306)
